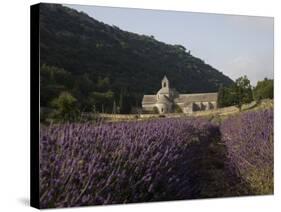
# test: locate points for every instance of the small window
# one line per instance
(162, 110)
(164, 84)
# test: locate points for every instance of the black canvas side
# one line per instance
(34, 105)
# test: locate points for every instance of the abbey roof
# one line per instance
(149, 99)
(197, 97)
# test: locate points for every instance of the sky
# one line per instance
(235, 45)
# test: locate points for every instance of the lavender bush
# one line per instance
(249, 141)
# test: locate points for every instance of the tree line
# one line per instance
(68, 96)
(241, 92)
(65, 96)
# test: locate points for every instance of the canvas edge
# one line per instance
(34, 105)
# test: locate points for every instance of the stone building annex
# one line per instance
(168, 99)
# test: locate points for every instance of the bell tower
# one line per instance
(165, 82)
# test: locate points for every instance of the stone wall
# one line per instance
(219, 111)
(132, 117)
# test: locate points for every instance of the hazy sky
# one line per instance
(235, 45)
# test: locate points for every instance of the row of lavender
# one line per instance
(86, 164)
(249, 143)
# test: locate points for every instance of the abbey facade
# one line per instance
(168, 100)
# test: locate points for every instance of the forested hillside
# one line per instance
(105, 66)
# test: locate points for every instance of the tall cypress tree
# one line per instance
(221, 96)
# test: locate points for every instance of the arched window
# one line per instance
(162, 109)
(164, 84)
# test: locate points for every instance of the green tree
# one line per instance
(227, 96)
(125, 101)
(103, 83)
(103, 101)
(221, 96)
(114, 107)
(66, 107)
(53, 81)
(237, 94)
(177, 109)
(121, 102)
(264, 89)
(243, 91)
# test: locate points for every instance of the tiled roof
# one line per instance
(198, 97)
(149, 99)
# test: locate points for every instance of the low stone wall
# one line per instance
(130, 117)
(231, 109)
(219, 111)
(249, 106)
(266, 103)
(119, 117)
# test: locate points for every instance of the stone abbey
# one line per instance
(168, 100)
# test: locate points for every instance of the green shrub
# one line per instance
(177, 109)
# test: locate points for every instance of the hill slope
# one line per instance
(95, 57)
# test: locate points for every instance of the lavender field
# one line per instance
(156, 160)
